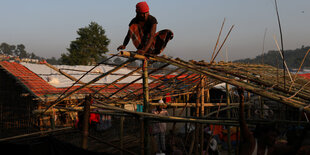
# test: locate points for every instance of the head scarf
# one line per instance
(142, 7)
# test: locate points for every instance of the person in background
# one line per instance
(159, 128)
(210, 144)
(263, 140)
(142, 30)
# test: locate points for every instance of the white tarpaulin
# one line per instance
(58, 80)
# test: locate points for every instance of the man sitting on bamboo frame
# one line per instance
(142, 30)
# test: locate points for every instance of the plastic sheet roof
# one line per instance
(39, 79)
(58, 80)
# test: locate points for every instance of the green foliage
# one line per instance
(53, 61)
(91, 44)
(293, 58)
(19, 50)
(7, 49)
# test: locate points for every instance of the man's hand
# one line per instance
(121, 47)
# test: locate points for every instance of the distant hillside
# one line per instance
(293, 58)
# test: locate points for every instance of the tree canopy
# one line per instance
(16, 50)
(90, 46)
(293, 58)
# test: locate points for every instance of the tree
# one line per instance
(91, 44)
(21, 52)
(52, 61)
(293, 58)
(6, 48)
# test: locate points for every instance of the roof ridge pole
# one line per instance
(146, 106)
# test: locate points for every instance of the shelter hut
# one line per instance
(185, 79)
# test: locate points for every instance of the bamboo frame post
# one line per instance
(261, 102)
(122, 132)
(146, 106)
(86, 122)
(141, 135)
(52, 121)
(249, 105)
(186, 114)
(228, 116)
(202, 91)
(197, 127)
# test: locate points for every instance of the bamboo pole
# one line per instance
(228, 116)
(266, 83)
(153, 71)
(134, 55)
(165, 76)
(90, 82)
(122, 132)
(284, 62)
(197, 127)
(249, 106)
(86, 122)
(66, 109)
(302, 62)
(117, 80)
(218, 38)
(165, 118)
(141, 119)
(256, 90)
(169, 89)
(281, 37)
(222, 44)
(63, 73)
(146, 106)
(34, 134)
(202, 91)
(169, 80)
(299, 90)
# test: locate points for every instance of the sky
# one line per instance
(46, 27)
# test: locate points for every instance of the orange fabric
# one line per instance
(94, 117)
(142, 7)
(217, 129)
(161, 39)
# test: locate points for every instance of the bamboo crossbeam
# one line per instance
(130, 54)
(34, 134)
(281, 54)
(256, 90)
(175, 87)
(67, 75)
(90, 82)
(169, 80)
(302, 62)
(119, 79)
(165, 76)
(257, 80)
(167, 118)
(153, 71)
(63, 73)
(304, 96)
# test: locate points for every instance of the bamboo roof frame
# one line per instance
(263, 81)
